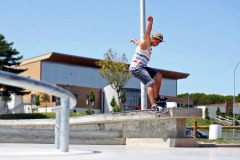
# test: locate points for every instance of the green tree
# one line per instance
(204, 99)
(37, 101)
(218, 111)
(115, 106)
(230, 112)
(228, 98)
(237, 98)
(184, 106)
(91, 99)
(123, 97)
(115, 70)
(206, 114)
(9, 60)
(45, 98)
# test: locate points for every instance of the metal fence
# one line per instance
(68, 101)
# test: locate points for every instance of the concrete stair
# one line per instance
(26, 135)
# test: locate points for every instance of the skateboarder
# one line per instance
(147, 75)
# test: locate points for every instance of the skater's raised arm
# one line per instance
(147, 39)
(135, 41)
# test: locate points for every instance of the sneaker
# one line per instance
(154, 108)
(159, 108)
(162, 109)
(160, 99)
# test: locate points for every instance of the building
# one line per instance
(224, 108)
(80, 75)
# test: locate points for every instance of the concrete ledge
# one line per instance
(138, 115)
(113, 117)
(27, 122)
(162, 142)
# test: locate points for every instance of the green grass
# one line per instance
(200, 122)
(218, 141)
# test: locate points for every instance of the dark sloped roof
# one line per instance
(90, 62)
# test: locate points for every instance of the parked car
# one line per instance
(189, 132)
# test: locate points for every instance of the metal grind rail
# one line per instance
(68, 101)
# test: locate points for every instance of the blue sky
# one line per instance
(202, 36)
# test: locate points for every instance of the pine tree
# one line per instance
(207, 114)
(9, 59)
(218, 111)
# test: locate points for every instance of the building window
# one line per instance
(133, 99)
(33, 98)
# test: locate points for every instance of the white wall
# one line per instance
(212, 110)
(109, 92)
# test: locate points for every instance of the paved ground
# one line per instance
(114, 152)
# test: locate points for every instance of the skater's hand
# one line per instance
(134, 41)
(150, 19)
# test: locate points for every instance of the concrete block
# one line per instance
(138, 115)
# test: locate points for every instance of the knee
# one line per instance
(159, 76)
(150, 85)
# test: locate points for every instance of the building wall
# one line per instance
(56, 73)
(81, 93)
(212, 110)
(33, 70)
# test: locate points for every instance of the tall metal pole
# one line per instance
(142, 33)
(234, 100)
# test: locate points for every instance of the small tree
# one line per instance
(218, 111)
(37, 101)
(92, 97)
(115, 106)
(91, 100)
(230, 112)
(207, 114)
(45, 98)
(115, 71)
(184, 106)
(123, 97)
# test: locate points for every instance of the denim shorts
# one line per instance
(146, 75)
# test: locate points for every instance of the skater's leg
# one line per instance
(157, 85)
(150, 89)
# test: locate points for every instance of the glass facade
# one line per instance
(133, 99)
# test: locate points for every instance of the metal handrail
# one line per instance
(11, 79)
(68, 101)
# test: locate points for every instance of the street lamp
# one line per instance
(142, 33)
(234, 99)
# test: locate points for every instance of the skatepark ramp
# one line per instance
(68, 101)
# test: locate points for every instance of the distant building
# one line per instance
(224, 108)
(80, 75)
